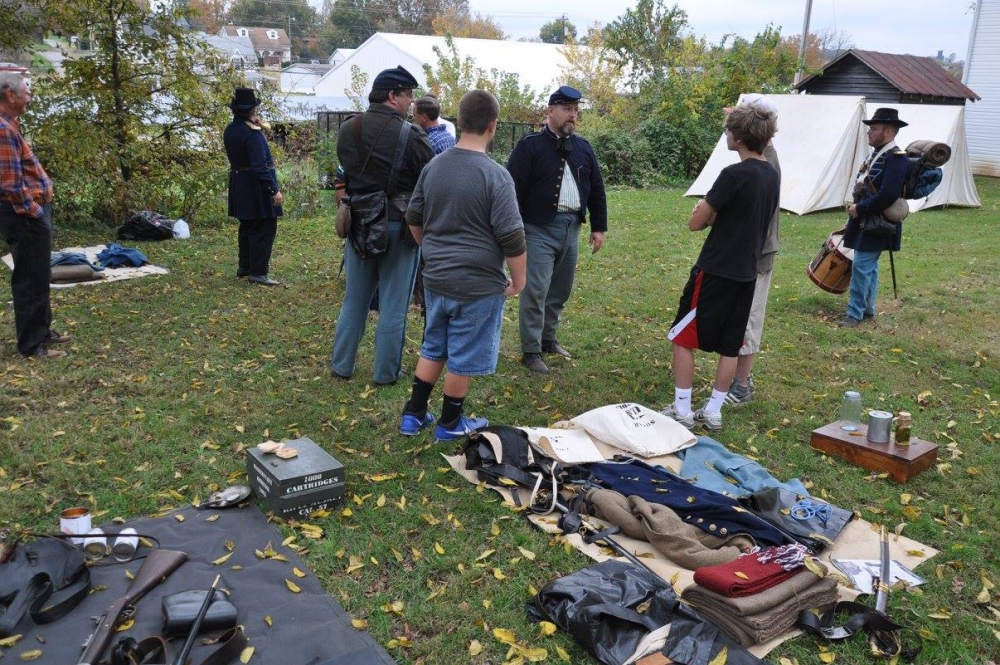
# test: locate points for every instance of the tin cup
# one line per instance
(126, 542)
(75, 521)
(95, 545)
(879, 426)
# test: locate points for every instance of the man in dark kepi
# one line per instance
(367, 148)
(254, 195)
(879, 183)
(558, 181)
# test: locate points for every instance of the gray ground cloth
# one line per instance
(308, 628)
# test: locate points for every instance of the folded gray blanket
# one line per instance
(761, 617)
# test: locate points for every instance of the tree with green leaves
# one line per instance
(455, 75)
(352, 22)
(267, 14)
(458, 23)
(590, 70)
(137, 125)
(647, 39)
(557, 31)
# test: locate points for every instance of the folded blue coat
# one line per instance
(710, 511)
(116, 256)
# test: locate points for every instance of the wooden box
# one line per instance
(900, 462)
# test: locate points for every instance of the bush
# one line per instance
(624, 156)
(678, 153)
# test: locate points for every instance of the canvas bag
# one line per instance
(369, 227)
(636, 429)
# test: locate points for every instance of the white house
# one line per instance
(340, 55)
(271, 45)
(301, 77)
(982, 73)
(237, 50)
(537, 65)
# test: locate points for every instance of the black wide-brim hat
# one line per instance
(244, 99)
(886, 116)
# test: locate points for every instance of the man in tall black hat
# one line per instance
(557, 181)
(879, 183)
(254, 195)
(367, 148)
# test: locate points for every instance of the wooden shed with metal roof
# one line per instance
(889, 78)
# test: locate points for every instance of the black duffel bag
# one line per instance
(146, 225)
(31, 577)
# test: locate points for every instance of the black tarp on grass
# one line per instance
(308, 628)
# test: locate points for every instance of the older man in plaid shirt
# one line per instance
(26, 225)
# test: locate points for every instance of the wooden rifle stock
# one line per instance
(157, 566)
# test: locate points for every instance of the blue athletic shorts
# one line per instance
(465, 335)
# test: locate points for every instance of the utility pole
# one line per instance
(802, 44)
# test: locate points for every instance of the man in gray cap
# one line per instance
(557, 181)
(368, 145)
(879, 183)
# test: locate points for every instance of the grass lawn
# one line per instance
(169, 378)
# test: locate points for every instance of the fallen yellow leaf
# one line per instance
(475, 648)
(292, 586)
(246, 655)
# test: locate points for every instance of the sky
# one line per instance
(916, 27)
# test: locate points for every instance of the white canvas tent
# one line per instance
(821, 142)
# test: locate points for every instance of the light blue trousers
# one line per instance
(392, 273)
(864, 285)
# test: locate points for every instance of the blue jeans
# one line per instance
(466, 335)
(392, 273)
(552, 253)
(864, 285)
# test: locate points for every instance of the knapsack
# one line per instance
(924, 173)
(35, 571)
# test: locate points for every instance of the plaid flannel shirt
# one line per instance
(23, 182)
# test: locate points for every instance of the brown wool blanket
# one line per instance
(756, 619)
(683, 543)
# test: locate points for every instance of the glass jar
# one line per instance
(850, 411)
(904, 423)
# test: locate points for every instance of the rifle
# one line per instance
(157, 566)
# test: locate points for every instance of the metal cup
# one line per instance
(95, 545)
(879, 426)
(125, 545)
(75, 521)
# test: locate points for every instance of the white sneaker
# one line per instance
(686, 420)
(710, 421)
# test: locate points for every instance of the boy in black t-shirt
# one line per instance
(714, 308)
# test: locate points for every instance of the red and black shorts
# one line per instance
(712, 315)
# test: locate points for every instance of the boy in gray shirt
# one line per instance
(464, 215)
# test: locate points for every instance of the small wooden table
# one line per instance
(900, 462)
